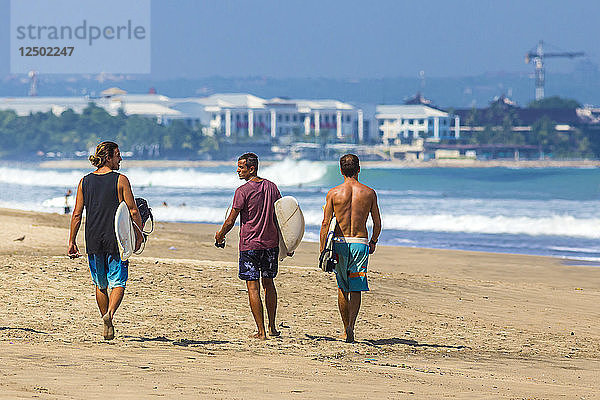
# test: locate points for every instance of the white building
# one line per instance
(397, 123)
(151, 105)
(24, 106)
(242, 115)
(230, 114)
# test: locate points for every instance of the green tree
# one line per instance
(554, 102)
(71, 132)
(210, 144)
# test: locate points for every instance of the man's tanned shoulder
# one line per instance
(334, 191)
(364, 189)
(367, 188)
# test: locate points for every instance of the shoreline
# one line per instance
(574, 262)
(444, 163)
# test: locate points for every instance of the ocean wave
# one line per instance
(403, 241)
(285, 173)
(558, 225)
(575, 249)
(294, 173)
(58, 202)
(31, 206)
(587, 259)
(412, 193)
(182, 178)
(214, 215)
(40, 177)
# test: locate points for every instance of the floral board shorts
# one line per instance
(255, 264)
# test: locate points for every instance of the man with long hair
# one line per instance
(352, 203)
(101, 192)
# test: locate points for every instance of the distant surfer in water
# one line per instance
(67, 197)
(101, 192)
(351, 202)
(259, 240)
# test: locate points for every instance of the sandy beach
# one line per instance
(436, 324)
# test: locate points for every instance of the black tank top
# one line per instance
(101, 201)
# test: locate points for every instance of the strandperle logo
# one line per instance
(85, 31)
(80, 36)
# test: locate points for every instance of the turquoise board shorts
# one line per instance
(351, 267)
(108, 271)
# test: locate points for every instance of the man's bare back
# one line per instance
(352, 202)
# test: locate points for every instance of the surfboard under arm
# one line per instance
(290, 221)
(124, 231)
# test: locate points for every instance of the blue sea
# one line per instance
(542, 211)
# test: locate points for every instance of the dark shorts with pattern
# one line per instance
(255, 264)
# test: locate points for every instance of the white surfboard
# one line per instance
(290, 221)
(124, 231)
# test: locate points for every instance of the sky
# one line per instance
(352, 39)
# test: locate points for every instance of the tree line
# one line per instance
(70, 132)
(499, 121)
(28, 137)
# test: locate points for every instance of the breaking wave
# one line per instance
(558, 225)
(284, 173)
(553, 226)
(40, 177)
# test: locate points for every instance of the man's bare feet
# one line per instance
(260, 336)
(274, 332)
(108, 330)
(349, 335)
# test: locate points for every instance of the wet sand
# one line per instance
(436, 324)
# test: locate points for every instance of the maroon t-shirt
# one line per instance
(256, 201)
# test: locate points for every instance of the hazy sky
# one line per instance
(358, 39)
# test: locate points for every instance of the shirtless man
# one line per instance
(351, 202)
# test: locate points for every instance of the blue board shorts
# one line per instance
(255, 264)
(351, 267)
(108, 271)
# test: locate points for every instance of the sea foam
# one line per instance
(557, 225)
(40, 177)
(285, 173)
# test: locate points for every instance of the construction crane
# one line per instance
(537, 57)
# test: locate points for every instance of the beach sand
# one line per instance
(436, 324)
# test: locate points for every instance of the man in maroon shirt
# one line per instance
(259, 240)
